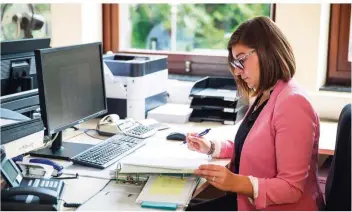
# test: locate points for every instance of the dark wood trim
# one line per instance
(200, 65)
(326, 152)
(110, 27)
(273, 12)
(106, 28)
(339, 69)
(115, 30)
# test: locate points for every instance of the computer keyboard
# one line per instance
(108, 152)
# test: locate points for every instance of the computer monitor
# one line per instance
(18, 75)
(18, 72)
(71, 91)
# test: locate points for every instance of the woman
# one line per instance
(275, 152)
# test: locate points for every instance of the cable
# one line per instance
(86, 132)
(48, 143)
(71, 205)
(97, 192)
(75, 128)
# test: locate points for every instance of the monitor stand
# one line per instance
(61, 150)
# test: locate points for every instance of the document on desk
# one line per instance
(114, 197)
(171, 156)
(128, 169)
(168, 189)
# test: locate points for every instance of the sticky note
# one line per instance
(168, 185)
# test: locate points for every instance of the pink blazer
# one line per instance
(281, 150)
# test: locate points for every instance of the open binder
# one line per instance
(162, 189)
(138, 175)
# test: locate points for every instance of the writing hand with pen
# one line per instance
(196, 142)
(218, 176)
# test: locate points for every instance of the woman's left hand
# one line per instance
(219, 176)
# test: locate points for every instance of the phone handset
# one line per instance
(46, 196)
(108, 125)
(109, 119)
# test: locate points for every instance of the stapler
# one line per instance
(38, 167)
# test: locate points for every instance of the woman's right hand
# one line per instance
(199, 144)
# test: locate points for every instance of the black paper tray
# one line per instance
(216, 104)
(215, 87)
(217, 116)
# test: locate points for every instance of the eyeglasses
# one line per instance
(238, 63)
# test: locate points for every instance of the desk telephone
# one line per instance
(111, 125)
(24, 193)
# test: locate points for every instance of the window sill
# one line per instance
(186, 78)
(336, 88)
(204, 52)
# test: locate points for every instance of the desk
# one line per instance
(84, 188)
(91, 180)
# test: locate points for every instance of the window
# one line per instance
(188, 27)
(16, 21)
(194, 36)
(339, 68)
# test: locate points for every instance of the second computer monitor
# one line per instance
(71, 87)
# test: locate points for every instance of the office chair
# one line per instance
(338, 183)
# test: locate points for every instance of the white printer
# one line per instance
(135, 84)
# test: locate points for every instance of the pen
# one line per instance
(200, 134)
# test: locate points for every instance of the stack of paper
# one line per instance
(167, 165)
(171, 113)
(167, 189)
(167, 157)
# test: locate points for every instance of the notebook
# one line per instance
(168, 189)
(167, 157)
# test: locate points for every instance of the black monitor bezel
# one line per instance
(22, 46)
(42, 95)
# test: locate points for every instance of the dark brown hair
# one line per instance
(276, 59)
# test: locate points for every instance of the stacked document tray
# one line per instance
(216, 99)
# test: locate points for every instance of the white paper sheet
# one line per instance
(167, 155)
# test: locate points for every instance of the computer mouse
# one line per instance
(176, 136)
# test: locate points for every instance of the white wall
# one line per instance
(76, 23)
(306, 27)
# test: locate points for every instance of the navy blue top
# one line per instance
(243, 131)
(241, 136)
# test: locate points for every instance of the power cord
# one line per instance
(86, 132)
(71, 205)
(51, 140)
